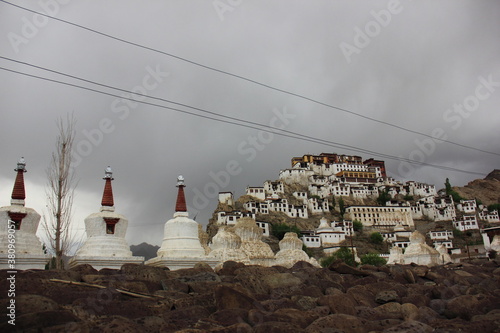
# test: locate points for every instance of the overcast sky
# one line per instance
(429, 66)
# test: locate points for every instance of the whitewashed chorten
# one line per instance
(181, 247)
(444, 257)
(105, 246)
(258, 252)
(419, 252)
(226, 246)
(291, 252)
(19, 226)
(395, 256)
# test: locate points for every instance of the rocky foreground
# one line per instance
(450, 298)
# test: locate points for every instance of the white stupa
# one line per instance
(291, 252)
(226, 246)
(105, 246)
(395, 256)
(495, 244)
(444, 257)
(258, 252)
(419, 252)
(181, 247)
(26, 250)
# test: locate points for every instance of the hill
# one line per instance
(486, 190)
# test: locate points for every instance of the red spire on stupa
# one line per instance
(107, 195)
(180, 205)
(18, 192)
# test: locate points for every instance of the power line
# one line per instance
(195, 108)
(339, 145)
(250, 80)
(299, 136)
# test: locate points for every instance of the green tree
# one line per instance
(493, 207)
(357, 226)
(341, 207)
(457, 233)
(408, 197)
(376, 238)
(450, 191)
(373, 259)
(333, 203)
(343, 253)
(280, 229)
(447, 186)
(383, 197)
(307, 250)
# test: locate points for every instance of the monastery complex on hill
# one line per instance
(310, 189)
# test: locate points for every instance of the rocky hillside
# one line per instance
(487, 190)
(238, 298)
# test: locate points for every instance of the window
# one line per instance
(17, 218)
(110, 225)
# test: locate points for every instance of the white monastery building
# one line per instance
(381, 217)
(467, 206)
(468, 222)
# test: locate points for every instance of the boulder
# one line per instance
(297, 317)
(277, 327)
(409, 327)
(391, 310)
(386, 296)
(465, 307)
(409, 311)
(228, 317)
(280, 280)
(342, 268)
(228, 298)
(342, 303)
(144, 272)
(338, 322)
(35, 321)
(305, 302)
(34, 303)
(150, 324)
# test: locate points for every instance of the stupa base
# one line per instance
(105, 262)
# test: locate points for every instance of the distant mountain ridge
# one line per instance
(145, 250)
(487, 190)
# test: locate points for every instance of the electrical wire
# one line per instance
(250, 80)
(296, 136)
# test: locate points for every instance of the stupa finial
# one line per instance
(180, 205)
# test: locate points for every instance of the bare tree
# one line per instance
(60, 191)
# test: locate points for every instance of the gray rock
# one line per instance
(386, 296)
(409, 327)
